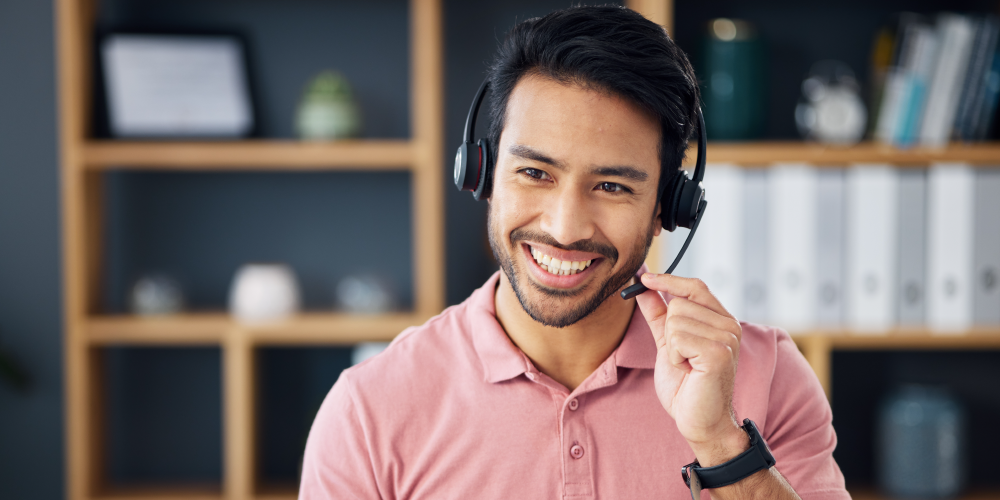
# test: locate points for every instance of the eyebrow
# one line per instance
(522, 151)
(627, 172)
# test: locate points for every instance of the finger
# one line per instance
(684, 307)
(687, 325)
(690, 288)
(699, 352)
(654, 309)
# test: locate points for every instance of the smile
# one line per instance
(558, 267)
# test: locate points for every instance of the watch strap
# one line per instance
(751, 461)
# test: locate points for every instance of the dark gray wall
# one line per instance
(31, 431)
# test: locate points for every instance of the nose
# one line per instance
(566, 216)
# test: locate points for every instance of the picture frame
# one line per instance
(163, 85)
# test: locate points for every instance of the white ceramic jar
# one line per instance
(264, 293)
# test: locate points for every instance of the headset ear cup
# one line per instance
(484, 186)
(669, 201)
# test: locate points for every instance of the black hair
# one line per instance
(608, 48)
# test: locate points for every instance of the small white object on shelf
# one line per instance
(156, 294)
(264, 293)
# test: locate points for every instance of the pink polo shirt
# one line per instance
(452, 409)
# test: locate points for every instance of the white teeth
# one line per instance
(559, 267)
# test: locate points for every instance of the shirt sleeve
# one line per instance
(799, 427)
(337, 462)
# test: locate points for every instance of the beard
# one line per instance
(590, 296)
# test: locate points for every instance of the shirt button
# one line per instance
(574, 404)
(576, 451)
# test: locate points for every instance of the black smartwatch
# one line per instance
(755, 459)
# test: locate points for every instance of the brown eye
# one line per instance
(534, 173)
(611, 187)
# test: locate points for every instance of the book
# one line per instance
(916, 69)
(830, 248)
(894, 77)
(973, 89)
(955, 33)
(950, 216)
(986, 254)
(872, 239)
(912, 247)
(792, 240)
(755, 245)
(718, 245)
(991, 90)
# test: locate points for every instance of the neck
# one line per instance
(570, 354)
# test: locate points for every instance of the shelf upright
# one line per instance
(81, 224)
(88, 330)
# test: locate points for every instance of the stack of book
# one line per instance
(935, 80)
(866, 247)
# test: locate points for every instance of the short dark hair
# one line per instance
(609, 48)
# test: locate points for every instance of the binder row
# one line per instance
(866, 247)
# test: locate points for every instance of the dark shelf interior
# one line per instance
(862, 379)
(291, 41)
(292, 383)
(798, 34)
(200, 227)
(163, 416)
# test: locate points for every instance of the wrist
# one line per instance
(723, 449)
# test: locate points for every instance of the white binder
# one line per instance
(950, 190)
(830, 248)
(911, 288)
(755, 245)
(872, 219)
(792, 227)
(986, 263)
(718, 244)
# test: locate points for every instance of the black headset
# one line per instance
(683, 200)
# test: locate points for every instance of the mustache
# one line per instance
(604, 249)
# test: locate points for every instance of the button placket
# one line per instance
(577, 468)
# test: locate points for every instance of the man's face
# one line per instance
(574, 188)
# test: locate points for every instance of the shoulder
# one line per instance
(420, 355)
(772, 370)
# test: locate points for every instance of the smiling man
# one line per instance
(545, 383)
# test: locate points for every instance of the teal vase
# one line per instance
(732, 74)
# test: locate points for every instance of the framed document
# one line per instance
(174, 86)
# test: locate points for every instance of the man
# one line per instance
(545, 383)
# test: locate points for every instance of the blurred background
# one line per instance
(222, 268)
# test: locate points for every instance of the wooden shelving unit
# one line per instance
(88, 329)
(765, 153)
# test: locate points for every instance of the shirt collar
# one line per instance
(502, 360)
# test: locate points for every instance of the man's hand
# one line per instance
(698, 347)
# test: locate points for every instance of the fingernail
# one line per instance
(648, 275)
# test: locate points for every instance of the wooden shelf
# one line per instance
(216, 328)
(904, 339)
(161, 492)
(764, 153)
(249, 155)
